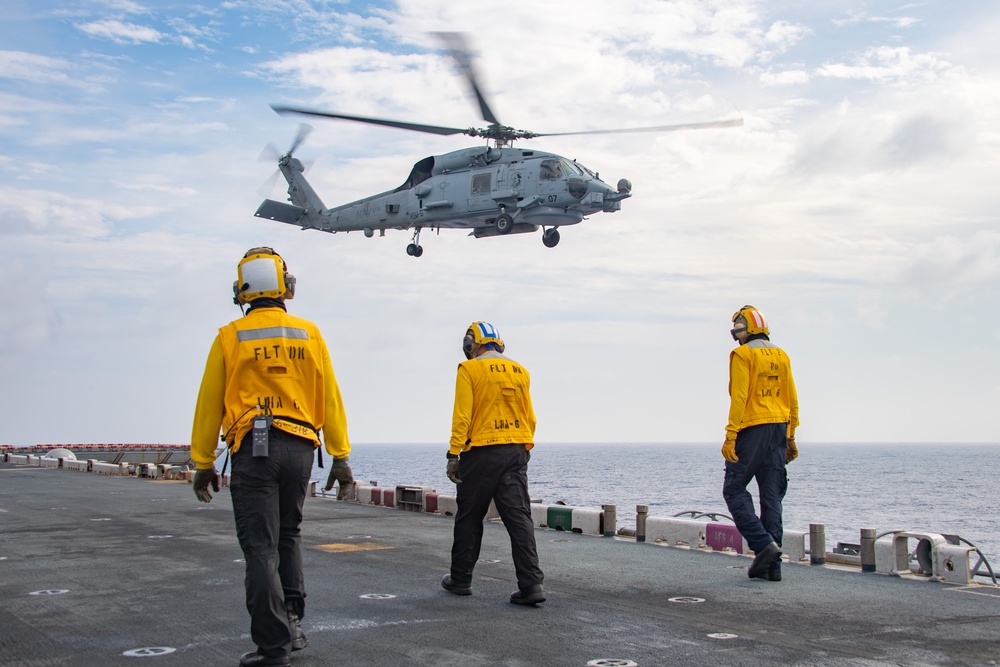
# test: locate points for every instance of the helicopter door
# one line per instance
(551, 179)
(481, 192)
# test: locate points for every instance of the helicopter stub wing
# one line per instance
(280, 212)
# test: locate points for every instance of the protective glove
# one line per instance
(341, 473)
(793, 451)
(452, 469)
(202, 479)
(729, 450)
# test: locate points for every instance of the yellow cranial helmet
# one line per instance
(482, 333)
(755, 322)
(262, 273)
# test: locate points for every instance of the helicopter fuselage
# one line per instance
(488, 190)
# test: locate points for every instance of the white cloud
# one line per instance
(886, 63)
(785, 78)
(121, 32)
(35, 68)
(855, 17)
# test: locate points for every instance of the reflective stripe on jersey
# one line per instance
(272, 332)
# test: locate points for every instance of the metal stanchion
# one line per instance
(817, 544)
(610, 520)
(868, 549)
(640, 522)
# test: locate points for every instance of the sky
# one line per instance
(857, 207)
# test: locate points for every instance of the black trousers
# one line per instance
(268, 494)
(761, 451)
(498, 473)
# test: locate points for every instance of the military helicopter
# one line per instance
(492, 190)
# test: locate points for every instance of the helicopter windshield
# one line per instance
(584, 169)
(571, 168)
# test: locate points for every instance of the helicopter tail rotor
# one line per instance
(270, 153)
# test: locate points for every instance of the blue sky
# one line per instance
(857, 207)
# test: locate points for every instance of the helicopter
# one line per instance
(492, 189)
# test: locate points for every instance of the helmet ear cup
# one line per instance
(289, 286)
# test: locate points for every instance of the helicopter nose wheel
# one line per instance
(550, 237)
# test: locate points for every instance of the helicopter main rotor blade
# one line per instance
(430, 129)
(736, 122)
(455, 43)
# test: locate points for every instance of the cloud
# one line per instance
(855, 17)
(42, 213)
(784, 34)
(122, 33)
(886, 64)
(950, 264)
(35, 68)
(785, 78)
(925, 137)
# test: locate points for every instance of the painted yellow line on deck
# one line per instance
(343, 548)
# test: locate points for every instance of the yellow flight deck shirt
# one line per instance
(268, 358)
(492, 404)
(761, 388)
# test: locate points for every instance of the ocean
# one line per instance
(940, 488)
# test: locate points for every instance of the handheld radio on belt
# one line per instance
(261, 426)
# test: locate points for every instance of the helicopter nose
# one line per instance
(577, 187)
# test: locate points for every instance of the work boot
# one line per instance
(299, 640)
(528, 595)
(452, 587)
(766, 557)
(254, 659)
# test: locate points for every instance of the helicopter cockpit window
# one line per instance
(570, 168)
(481, 184)
(550, 170)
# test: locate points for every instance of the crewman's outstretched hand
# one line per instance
(202, 479)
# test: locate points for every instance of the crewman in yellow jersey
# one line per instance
(269, 388)
(760, 438)
(492, 431)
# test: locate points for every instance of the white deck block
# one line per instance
(674, 531)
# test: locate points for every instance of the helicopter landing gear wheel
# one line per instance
(504, 223)
(415, 249)
(550, 238)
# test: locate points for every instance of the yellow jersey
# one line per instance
(761, 388)
(268, 359)
(492, 404)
